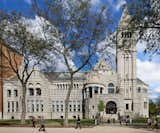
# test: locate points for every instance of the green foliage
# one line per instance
(158, 102)
(152, 108)
(140, 120)
(101, 106)
(158, 106)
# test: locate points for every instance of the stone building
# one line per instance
(121, 91)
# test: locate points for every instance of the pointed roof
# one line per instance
(102, 65)
(125, 18)
(140, 82)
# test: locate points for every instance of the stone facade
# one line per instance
(121, 91)
(45, 96)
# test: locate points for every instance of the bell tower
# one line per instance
(126, 56)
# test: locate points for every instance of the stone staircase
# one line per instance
(110, 117)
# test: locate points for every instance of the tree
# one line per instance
(146, 21)
(32, 50)
(101, 106)
(158, 101)
(152, 108)
(158, 105)
(79, 30)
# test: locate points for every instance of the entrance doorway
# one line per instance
(111, 107)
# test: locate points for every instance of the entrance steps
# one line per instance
(110, 117)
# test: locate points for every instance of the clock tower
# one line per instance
(126, 58)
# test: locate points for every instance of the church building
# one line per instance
(122, 92)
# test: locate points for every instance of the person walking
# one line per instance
(33, 120)
(42, 124)
(78, 123)
(149, 122)
(156, 123)
(130, 121)
(120, 121)
(127, 120)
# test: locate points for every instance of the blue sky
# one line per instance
(149, 71)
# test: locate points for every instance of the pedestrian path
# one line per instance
(98, 129)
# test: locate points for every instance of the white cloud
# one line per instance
(36, 27)
(157, 90)
(141, 46)
(149, 72)
(28, 2)
(95, 1)
(119, 4)
(112, 3)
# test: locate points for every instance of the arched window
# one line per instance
(38, 92)
(110, 88)
(8, 93)
(111, 107)
(15, 93)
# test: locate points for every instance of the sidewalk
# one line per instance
(98, 129)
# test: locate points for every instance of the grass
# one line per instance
(49, 123)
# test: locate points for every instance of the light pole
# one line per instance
(1, 95)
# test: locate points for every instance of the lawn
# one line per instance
(49, 123)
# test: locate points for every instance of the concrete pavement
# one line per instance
(99, 129)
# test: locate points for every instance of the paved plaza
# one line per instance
(102, 129)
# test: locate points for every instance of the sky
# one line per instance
(147, 70)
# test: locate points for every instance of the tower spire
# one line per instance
(125, 18)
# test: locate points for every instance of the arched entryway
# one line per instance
(111, 107)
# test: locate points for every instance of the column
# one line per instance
(92, 91)
(15, 105)
(87, 92)
(99, 90)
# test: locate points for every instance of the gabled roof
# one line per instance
(102, 65)
(140, 82)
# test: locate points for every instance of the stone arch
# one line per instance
(111, 107)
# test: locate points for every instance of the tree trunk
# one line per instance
(23, 115)
(67, 101)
